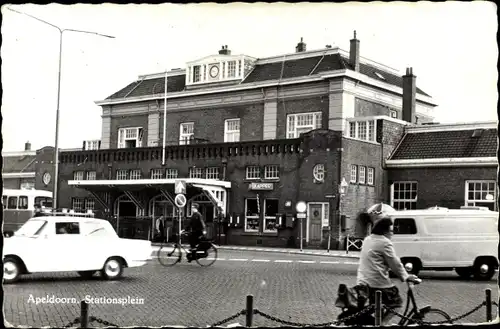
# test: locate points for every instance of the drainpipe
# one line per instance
(339, 180)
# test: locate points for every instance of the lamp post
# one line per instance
(56, 151)
(343, 186)
(342, 189)
(301, 208)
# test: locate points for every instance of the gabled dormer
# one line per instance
(223, 68)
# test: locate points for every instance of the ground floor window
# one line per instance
(404, 195)
(252, 211)
(271, 220)
(481, 193)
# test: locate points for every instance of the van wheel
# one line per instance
(484, 269)
(464, 272)
(412, 265)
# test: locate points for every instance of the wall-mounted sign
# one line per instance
(46, 178)
(261, 186)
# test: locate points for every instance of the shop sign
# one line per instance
(262, 186)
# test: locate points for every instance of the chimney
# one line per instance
(27, 146)
(224, 51)
(301, 46)
(409, 95)
(354, 53)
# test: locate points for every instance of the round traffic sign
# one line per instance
(180, 200)
(301, 206)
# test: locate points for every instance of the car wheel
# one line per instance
(86, 274)
(112, 269)
(484, 270)
(11, 270)
(464, 272)
(412, 265)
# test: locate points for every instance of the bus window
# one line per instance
(43, 201)
(23, 202)
(4, 201)
(12, 203)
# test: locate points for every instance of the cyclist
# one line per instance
(197, 229)
(377, 258)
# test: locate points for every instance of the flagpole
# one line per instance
(164, 121)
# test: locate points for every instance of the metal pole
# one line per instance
(84, 314)
(180, 214)
(164, 121)
(378, 308)
(489, 316)
(249, 311)
(301, 238)
(56, 150)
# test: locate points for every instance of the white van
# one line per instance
(441, 239)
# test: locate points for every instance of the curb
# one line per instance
(335, 254)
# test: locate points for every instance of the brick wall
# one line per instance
(364, 108)
(126, 121)
(441, 186)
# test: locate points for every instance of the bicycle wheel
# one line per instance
(206, 255)
(169, 254)
(433, 315)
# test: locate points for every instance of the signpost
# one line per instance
(180, 187)
(180, 200)
(301, 208)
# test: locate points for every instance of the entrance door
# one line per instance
(127, 209)
(207, 211)
(315, 216)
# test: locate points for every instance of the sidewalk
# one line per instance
(295, 251)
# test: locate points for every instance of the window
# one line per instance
(89, 204)
(130, 137)
(371, 176)
(196, 73)
(212, 173)
(302, 123)
(156, 173)
(481, 193)
(42, 201)
(195, 172)
(204, 73)
(135, 174)
(186, 132)
(232, 130)
(68, 228)
(271, 221)
(12, 203)
(319, 172)
(354, 174)
(77, 204)
(78, 175)
(4, 201)
(252, 213)
(121, 174)
(272, 172)
(405, 226)
(362, 174)
(404, 195)
(172, 173)
(231, 69)
(364, 130)
(253, 172)
(223, 70)
(394, 114)
(239, 68)
(23, 202)
(91, 145)
(91, 175)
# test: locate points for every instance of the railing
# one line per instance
(205, 151)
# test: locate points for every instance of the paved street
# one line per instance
(297, 288)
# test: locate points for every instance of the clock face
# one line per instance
(46, 178)
(214, 71)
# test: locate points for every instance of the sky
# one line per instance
(450, 45)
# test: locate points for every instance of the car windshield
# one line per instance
(30, 228)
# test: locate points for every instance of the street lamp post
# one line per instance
(56, 146)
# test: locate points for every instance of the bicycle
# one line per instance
(173, 252)
(414, 316)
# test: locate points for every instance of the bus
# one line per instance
(21, 205)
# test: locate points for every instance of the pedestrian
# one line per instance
(377, 258)
(197, 229)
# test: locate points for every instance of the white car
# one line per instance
(63, 244)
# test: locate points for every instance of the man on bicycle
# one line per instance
(197, 229)
(377, 258)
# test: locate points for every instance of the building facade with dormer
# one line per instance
(251, 137)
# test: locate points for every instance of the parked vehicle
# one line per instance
(21, 205)
(70, 243)
(442, 239)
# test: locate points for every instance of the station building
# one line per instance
(253, 136)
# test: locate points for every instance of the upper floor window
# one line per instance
(195, 172)
(91, 145)
(156, 173)
(130, 137)
(319, 172)
(186, 132)
(135, 174)
(364, 130)
(78, 175)
(232, 130)
(172, 173)
(394, 114)
(252, 172)
(272, 172)
(481, 193)
(302, 123)
(212, 173)
(231, 69)
(354, 174)
(197, 73)
(371, 176)
(121, 174)
(91, 175)
(362, 174)
(404, 195)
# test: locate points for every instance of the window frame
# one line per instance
(169, 173)
(266, 218)
(481, 202)
(292, 123)
(252, 217)
(122, 137)
(88, 202)
(355, 172)
(156, 173)
(194, 172)
(317, 172)
(268, 170)
(77, 200)
(89, 175)
(127, 174)
(26, 202)
(135, 174)
(247, 171)
(372, 170)
(212, 172)
(362, 174)
(9, 204)
(232, 136)
(415, 228)
(370, 130)
(404, 201)
(185, 138)
(78, 173)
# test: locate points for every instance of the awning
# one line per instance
(148, 182)
(19, 175)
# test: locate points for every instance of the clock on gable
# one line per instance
(214, 71)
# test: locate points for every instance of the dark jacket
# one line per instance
(197, 224)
